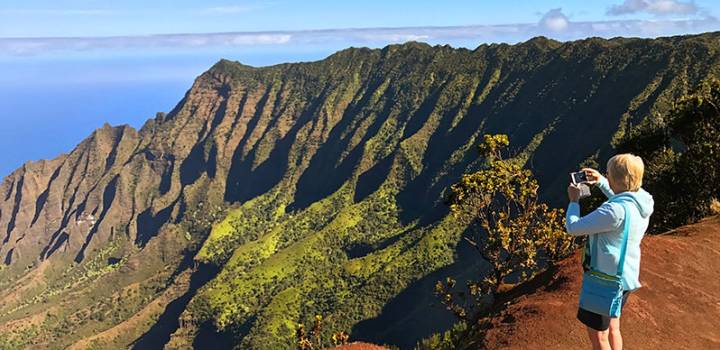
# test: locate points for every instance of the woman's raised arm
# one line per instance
(603, 219)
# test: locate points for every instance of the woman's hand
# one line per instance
(573, 193)
(593, 176)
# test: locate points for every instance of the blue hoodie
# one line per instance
(607, 223)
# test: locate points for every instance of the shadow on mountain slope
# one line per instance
(415, 313)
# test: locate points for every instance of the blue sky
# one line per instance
(102, 18)
(68, 66)
(132, 17)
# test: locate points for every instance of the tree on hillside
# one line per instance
(682, 157)
(509, 227)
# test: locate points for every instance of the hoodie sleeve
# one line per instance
(603, 219)
(604, 186)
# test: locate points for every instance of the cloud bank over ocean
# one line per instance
(554, 24)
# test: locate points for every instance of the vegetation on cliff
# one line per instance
(270, 195)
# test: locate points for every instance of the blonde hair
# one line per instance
(626, 170)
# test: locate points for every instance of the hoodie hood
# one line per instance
(642, 199)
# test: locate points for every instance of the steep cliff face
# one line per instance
(324, 179)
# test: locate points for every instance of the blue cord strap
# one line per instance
(621, 263)
(593, 252)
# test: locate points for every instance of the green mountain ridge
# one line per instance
(272, 194)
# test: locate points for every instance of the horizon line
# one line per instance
(556, 27)
(348, 29)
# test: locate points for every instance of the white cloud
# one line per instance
(555, 20)
(34, 46)
(392, 37)
(655, 7)
(261, 39)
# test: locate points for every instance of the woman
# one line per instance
(625, 172)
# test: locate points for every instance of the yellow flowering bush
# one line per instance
(509, 227)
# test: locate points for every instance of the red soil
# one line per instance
(678, 306)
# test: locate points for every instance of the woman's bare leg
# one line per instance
(615, 336)
(599, 339)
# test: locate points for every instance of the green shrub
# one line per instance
(682, 157)
(447, 340)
